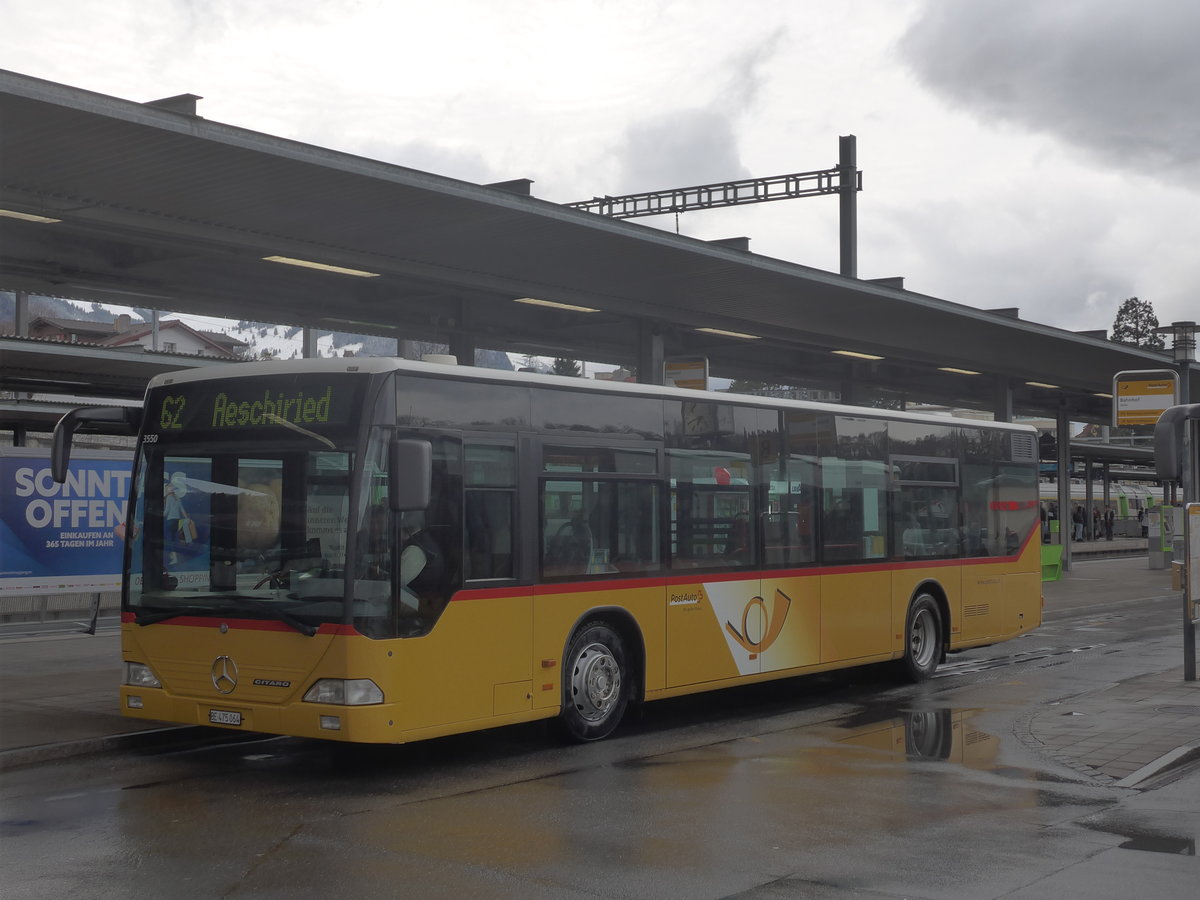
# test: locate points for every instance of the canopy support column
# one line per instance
(1002, 407)
(1065, 522)
(649, 354)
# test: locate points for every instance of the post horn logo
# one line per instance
(772, 623)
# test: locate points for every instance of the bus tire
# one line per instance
(595, 683)
(922, 639)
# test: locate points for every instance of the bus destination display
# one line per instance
(296, 403)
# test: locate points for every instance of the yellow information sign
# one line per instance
(1139, 398)
(686, 372)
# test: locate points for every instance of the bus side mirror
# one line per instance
(410, 474)
(109, 419)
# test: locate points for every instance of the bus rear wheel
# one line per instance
(923, 639)
(595, 683)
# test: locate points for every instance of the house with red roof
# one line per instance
(174, 336)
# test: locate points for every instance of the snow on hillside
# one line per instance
(287, 341)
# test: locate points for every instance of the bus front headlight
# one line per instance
(140, 675)
(344, 692)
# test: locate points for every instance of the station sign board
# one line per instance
(1140, 397)
(686, 372)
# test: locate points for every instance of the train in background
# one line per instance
(1127, 499)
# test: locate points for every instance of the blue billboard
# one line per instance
(61, 537)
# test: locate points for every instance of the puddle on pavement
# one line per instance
(950, 735)
(935, 735)
(1147, 838)
(1159, 844)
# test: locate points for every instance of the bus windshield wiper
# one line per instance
(244, 604)
(277, 612)
(161, 614)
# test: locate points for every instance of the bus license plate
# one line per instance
(224, 717)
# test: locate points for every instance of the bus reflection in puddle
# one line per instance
(942, 735)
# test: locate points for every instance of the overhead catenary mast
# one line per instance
(843, 179)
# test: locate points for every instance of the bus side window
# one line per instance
(490, 511)
(791, 517)
(599, 510)
(854, 509)
(489, 534)
(711, 509)
(569, 546)
(599, 526)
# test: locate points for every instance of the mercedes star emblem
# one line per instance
(224, 674)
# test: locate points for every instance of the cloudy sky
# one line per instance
(1042, 154)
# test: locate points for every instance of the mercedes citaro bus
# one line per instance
(384, 551)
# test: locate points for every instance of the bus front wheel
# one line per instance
(595, 683)
(923, 639)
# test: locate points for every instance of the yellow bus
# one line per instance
(385, 551)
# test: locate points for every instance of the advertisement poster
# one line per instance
(61, 537)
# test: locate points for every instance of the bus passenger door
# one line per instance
(856, 591)
(486, 627)
(715, 616)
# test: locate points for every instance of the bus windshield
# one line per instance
(258, 532)
(241, 503)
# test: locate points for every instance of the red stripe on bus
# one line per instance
(241, 624)
(620, 584)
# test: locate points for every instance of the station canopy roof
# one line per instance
(160, 208)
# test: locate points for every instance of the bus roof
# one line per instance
(378, 365)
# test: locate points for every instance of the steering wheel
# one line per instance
(278, 579)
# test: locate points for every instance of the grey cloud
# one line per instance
(1118, 80)
(223, 15)
(193, 29)
(427, 156)
(698, 145)
(746, 75)
(1005, 264)
(679, 149)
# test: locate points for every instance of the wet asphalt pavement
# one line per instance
(1057, 766)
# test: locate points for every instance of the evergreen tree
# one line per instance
(1135, 324)
(569, 367)
(749, 386)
